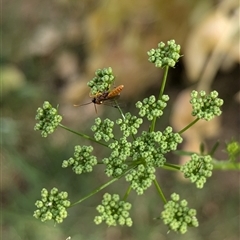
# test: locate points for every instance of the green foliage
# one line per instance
(135, 154)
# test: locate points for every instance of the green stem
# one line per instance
(226, 165)
(163, 83)
(82, 135)
(214, 148)
(170, 166)
(127, 193)
(160, 191)
(189, 125)
(160, 96)
(100, 188)
(183, 153)
(95, 191)
(119, 109)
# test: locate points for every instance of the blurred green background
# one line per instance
(50, 49)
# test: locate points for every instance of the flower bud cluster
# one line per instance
(155, 142)
(149, 149)
(52, 206)
(150, 107)
(205, 106)
(165, 55)
(178, 216)
(103, 129)
(82, 161)
(113, 211)
(48, 119)
(233, 150)
(146, 147)
(141, 177)
(115, 163)
(170, 140)
(102, 80)
(198, 169)
(129, 125)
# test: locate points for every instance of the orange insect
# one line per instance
(100, 98)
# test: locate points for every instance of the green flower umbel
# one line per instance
(82, 161)
(178, 216)
(233, 150)
(206, 106)
(102, 81)
(150, 107)
(129, 125)
(113, 211)
(165, 55)
(103, 129)
(148, 152)
(198, 169)
(115, 163)
(52, 206)
(48, 119)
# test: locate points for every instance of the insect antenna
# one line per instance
(79, 105)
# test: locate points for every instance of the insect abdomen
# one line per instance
(115, 92)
